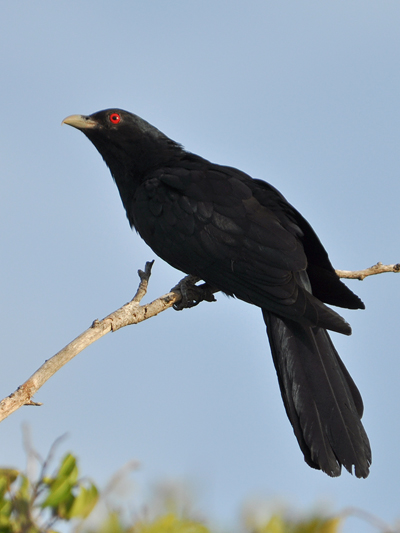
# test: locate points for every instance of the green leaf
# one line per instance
(7, 478)
(62, 510)
(4, 523)
(10, 473)
(169, 523)
(84, 502)
(5, 508)
(68, 468)
(60, 491)
(112, 525)
(274, 525)
(24, 488)
(60, 487)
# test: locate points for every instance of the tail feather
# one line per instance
(322, 401)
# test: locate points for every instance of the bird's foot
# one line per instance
(192, 294)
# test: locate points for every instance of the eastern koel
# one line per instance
(242, 237)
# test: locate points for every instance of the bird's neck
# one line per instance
(131, 169)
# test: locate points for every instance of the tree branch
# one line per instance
(379, 268)
(130, 313)
(133, 313)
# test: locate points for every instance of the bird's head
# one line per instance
(126, 142)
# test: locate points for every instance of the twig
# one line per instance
(367, 517)
(130, 313)
(379, 268)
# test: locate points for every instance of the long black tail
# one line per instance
(322, 401)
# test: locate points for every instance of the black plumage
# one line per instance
(241, 236)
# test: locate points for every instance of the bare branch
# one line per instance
(133, 313)
(144, 281)
(379, 268)
(130, 313)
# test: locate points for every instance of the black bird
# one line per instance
(242, 237)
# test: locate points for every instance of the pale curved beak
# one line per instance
(81, 122)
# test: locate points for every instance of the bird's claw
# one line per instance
(192, 294)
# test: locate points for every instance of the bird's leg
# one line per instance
(193, 294)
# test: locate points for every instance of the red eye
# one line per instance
(115, 118)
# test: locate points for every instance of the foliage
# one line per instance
(278, 524)
(63, 498)
(35, 506)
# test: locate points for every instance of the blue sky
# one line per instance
(302, 94)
